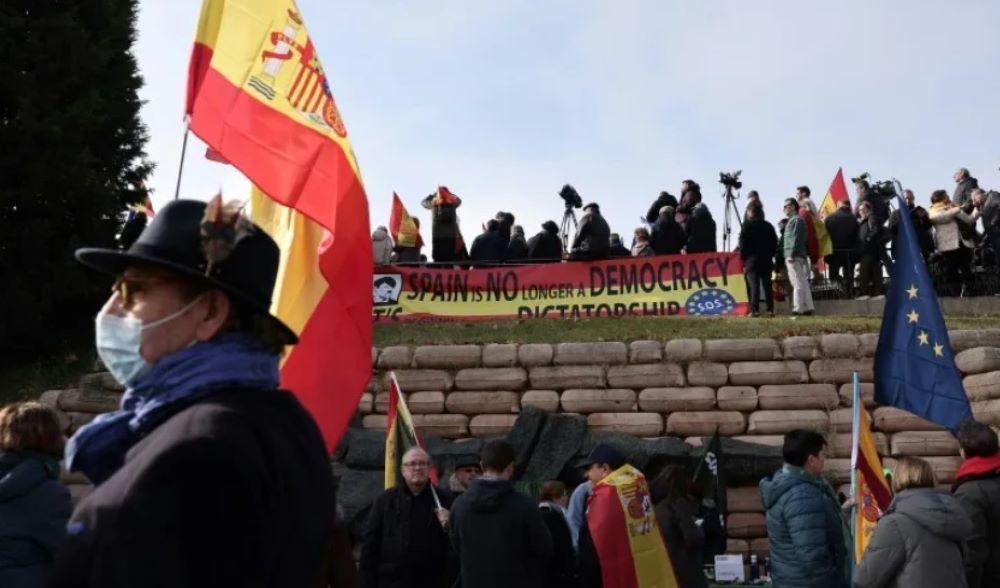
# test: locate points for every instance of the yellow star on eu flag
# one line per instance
(912, 291)
(913, 316)
(923, 337)
(939, 350)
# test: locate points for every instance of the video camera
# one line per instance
(731, 180)
(884, 189)
(570, 197)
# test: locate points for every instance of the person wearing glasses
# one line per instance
(208, 474)
(405, 539)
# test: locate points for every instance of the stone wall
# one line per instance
(751, 390)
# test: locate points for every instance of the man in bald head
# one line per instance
(405, 539)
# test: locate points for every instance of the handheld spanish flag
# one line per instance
(400, 436)
(869, 487)
(402, 226)
(627, 538)
(258, 96)
(836, 194)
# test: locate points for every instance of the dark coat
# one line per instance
(593, 235)
(684, 539)
(805, 530)
(879, 205)
(560, 570)
(499, 537)
(444, 218)
(700, 230)
(990, 213)
(545, 245)
(922, 226)
(758, 243)
(506, 221)
(963, 191)
(406, 254)
(517, 249)
(917, 543)
(403, 544)
(664, 199)
(234, 490)
(489, 246)
(668, 236)
(34, 508)
(842, 226)
(871, 236)
(980, 495)
(619, 250)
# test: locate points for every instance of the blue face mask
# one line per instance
(119, 343)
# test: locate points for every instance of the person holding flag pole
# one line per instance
(405, 538)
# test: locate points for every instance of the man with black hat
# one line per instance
(546, 245)
(593, 235)
(602, 460)
(466, 470)
(208, 474)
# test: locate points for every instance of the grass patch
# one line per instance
(636, 328)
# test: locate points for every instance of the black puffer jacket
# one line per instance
(700, 230)
(842, 226)
(560, 570)
(668, 236)
(979, 493)
(403, 543)
(34, 508)
(499, 537)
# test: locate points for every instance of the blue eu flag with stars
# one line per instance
(914, 365)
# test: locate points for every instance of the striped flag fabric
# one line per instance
(834, 195)
(403, 227)
(400, 436)
(626, 536)
(258, 97)
(871, 491)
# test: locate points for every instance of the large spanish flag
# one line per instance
(402, 226)
(258, 96)
(834, 195)
(627, 538)
(871, 490)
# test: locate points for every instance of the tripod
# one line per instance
(727, 220)
(568, 227)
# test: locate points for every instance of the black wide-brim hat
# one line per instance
(172, 240)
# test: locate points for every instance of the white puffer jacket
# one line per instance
(946, 234)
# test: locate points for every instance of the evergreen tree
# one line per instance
(71, 158)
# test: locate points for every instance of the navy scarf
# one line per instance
(229, 361)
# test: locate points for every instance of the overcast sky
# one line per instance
(504, 102)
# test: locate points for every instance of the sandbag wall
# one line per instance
(656, 396)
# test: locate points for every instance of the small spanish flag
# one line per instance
(871, 490)
(400, 436)
(834, 195)
(402, 226)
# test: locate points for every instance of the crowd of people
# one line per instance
(787, 254)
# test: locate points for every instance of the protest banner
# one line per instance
(703, 284)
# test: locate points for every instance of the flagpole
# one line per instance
(402, 403)
(855, 434)
(180, 168)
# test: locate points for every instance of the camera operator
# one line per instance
(921, 224)
(664, 199)
(546, 245)
(593, 235)
(955, 249)
(865, 193)
(964, 185)
(987, 206)
(842, 227)
(871, 244)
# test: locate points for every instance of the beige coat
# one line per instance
(946, 234)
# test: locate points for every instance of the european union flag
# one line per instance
(914, 365)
